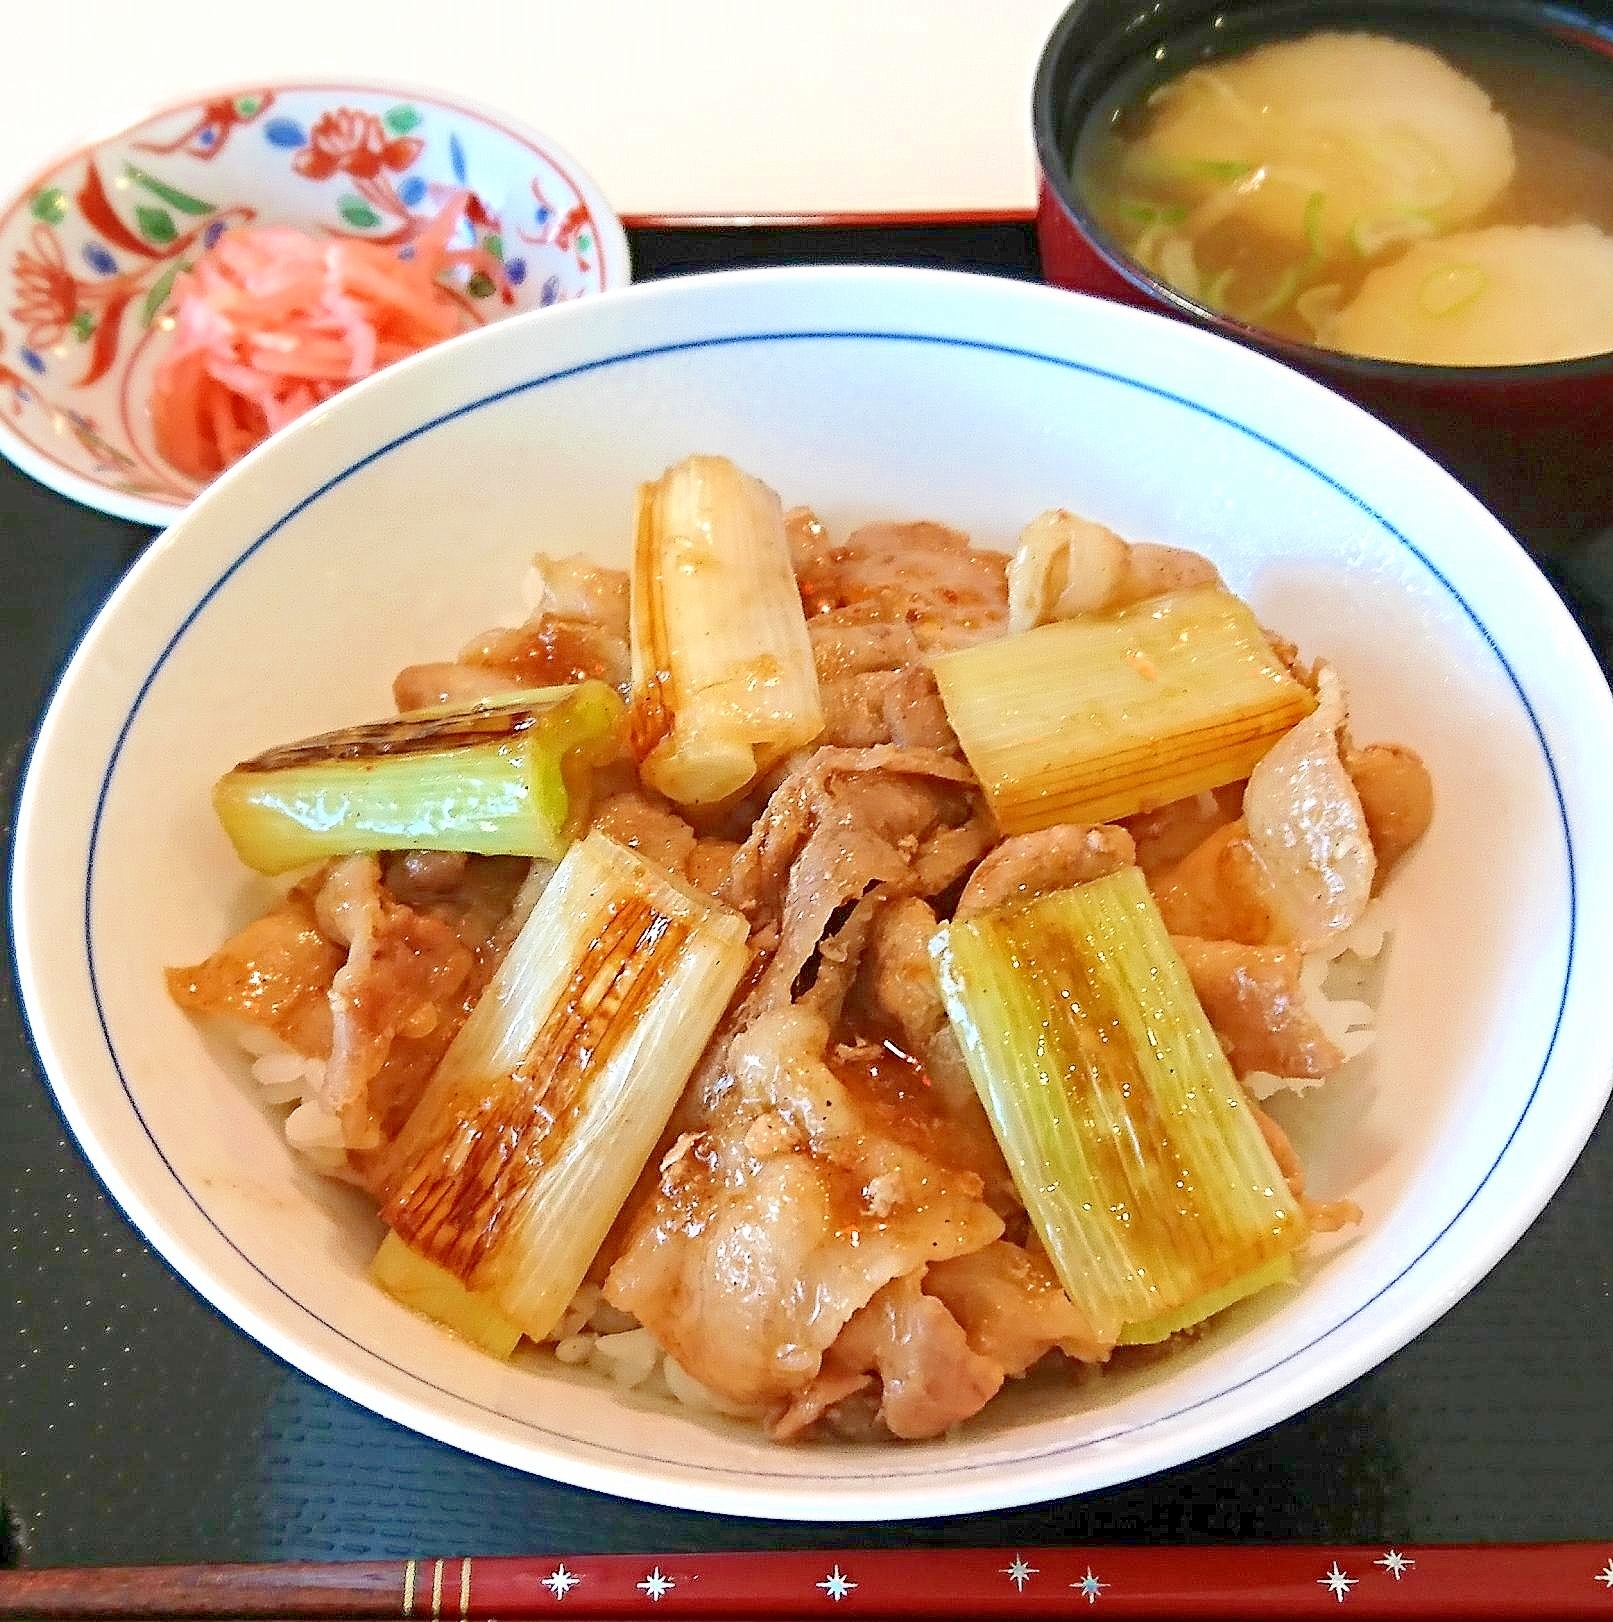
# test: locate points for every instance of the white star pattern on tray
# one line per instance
(837, 1585)
(657, 1584)
(1089, 1587)
(1020, 1572)
(1605, 1575)
(1337, 1583)
(1395, 1563)
(561, 1581)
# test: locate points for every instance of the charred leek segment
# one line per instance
(1141, 1166)
(494, 778)
(534, 1128)
(723, 679)
(1089, 720)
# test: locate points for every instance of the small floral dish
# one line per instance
(90, 250)
(404, 516)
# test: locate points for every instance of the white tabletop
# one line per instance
(681, 109)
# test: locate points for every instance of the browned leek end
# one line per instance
(723, 677)
(496, 778)
(417, 733)
(471, 1174)
(1102, 717)
(654, 696)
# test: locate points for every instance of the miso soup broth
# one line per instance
(1443, 195)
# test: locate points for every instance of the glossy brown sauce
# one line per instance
(469, 1187)
(899, 1100)
(552, 653)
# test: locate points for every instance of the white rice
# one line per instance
(692, 1394)
(316, 1135)
(629, 1357)
(285, 1077)
(534, 587)
(1337, 985)
(594, 1335)
(258, 1039)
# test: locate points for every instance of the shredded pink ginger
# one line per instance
(271, 320)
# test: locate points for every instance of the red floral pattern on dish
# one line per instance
(47, 292)
(85, 281)
(209, 132)
(356, 143)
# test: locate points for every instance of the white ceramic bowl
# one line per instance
(89, 249)
(398, 520)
